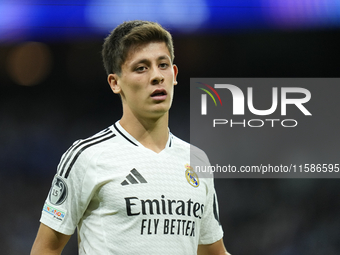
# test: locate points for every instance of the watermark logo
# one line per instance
(280, 99)
(264, 127)
(204, 97)
(239, 98)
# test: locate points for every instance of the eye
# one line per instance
(163, 65)
(140, 69)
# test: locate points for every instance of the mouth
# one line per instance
(159, 94)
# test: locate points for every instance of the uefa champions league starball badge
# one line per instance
(58, 192)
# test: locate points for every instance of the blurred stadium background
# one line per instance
(54, 91)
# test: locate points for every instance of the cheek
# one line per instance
(134, 83)
(132, 88)
(137, 85)
(172, 92)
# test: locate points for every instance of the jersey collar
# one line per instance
(134, 141)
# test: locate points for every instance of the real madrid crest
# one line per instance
(191, 176)
(58, 192)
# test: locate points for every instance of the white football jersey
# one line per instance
(127, 199)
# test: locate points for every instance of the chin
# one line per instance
(158, 113)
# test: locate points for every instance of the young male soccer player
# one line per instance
(130, 189)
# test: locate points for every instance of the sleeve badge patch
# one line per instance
(58, 191)
(57, 214)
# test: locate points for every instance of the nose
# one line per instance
(157, 77)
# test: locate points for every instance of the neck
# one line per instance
(152, 133)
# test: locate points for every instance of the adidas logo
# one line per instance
(133, 178)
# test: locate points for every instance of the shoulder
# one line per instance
(194, 151)
(197, 155)
(198, 158)
(178, 142)
(94, 143)
(82, 151)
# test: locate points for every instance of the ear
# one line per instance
(113, 82)
(175, 73)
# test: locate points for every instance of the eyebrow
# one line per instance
(145, 60)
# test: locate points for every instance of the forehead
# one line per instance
(149, 51)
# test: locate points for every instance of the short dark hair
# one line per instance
(131, 34)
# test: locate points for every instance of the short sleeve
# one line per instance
(211, 229)
(69, 195)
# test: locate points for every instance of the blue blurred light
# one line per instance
(181, 15)
(59, 20)
(302, 13)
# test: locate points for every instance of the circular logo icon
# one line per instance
(58, 192)
(191, 176)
